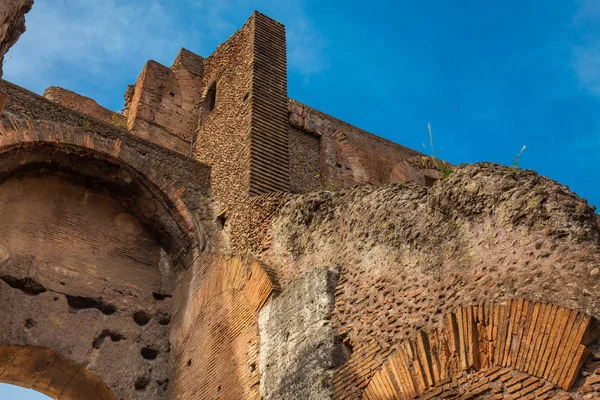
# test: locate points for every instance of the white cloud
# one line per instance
(98, 37)
(104, 42)
(586, 51)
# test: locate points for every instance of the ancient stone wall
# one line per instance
(523, 349)
(305, 162)
(298, 347)
(83, 104)
(163, 105)
(222, 137)
(269, 148)
(112, 264)
(93, 238)
(82, 277)
(50, 373)
(347, 156)
(215, 328)
(410, 254)
(29, 119)
(242, 131)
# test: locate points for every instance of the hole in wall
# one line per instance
(210, 99)
(148, 353)
(164, 384)
(29, 323)
(429, 180)
(160, 296)
(115, 337)
(141, 382)
(26, 285)
(163, 319)
(77, 303)
(189, 363)
(141, 318)
(221, 220)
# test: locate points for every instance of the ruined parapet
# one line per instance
(12, 24)
(162, 106)
(83, 104)
(326, 153)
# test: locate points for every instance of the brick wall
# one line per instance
(269, 156)
(50, 373)
(243, 135)
(215, 334)
(347, 156)
(98, 223)
(524, 348)
(163, 105)
(222, 136)
(305, 161)
(411, 254)
(81, 103)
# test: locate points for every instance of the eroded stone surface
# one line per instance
(298, 347)
(410, 254)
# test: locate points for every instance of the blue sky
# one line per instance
(490, 77)
(10, 392)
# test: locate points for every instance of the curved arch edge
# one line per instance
(542, 341)
(15, 134)
(50, 373)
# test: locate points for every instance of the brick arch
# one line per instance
(358, 169)
(50, 373)
(418, 169)
(217, 328)
(29, 136)
(519, 347)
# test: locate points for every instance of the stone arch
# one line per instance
(418, 169)
(217, 328)
(95, 284)
(359, 173)
(519, 347)
(35, 142)
(51, 373)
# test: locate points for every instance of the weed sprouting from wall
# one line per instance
(444, 167)
(117, 120)
(515, 163)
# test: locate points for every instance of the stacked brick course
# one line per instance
(216, 334)
(205, 168)
(544, 342)
(82, 104)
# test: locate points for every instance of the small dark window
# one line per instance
(211, 97)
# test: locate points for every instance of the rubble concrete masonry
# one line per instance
(188, 249)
